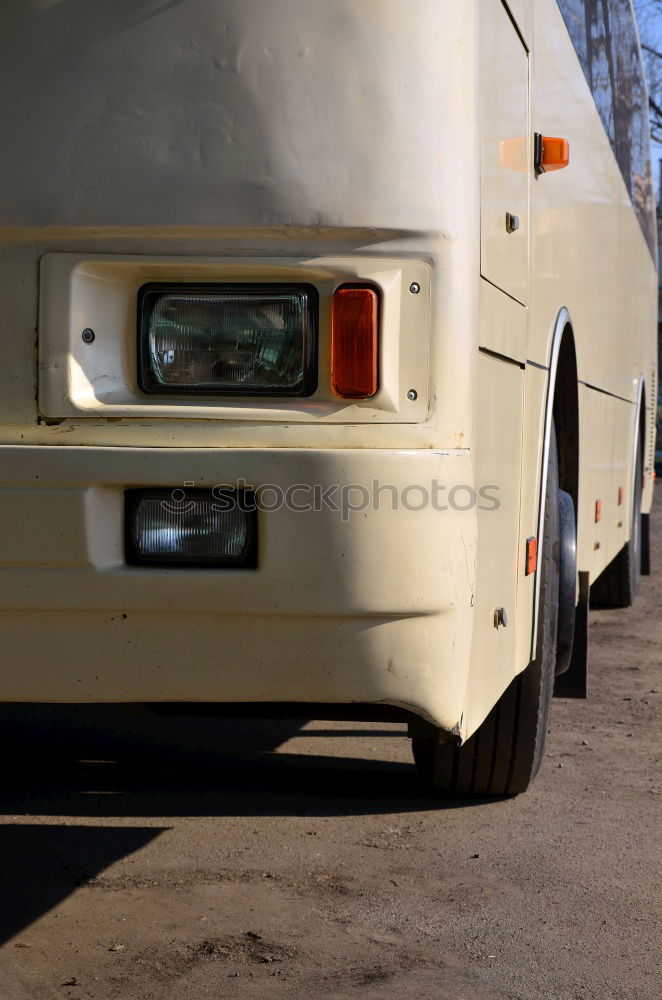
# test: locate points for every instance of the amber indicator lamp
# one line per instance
(531, 555)
(354, 341)
(550, 153)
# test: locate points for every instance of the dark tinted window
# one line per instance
(605, 37)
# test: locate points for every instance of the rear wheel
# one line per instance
(504, 754)
(618, 585)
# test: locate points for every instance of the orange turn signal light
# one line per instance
(554, 154)
(354, 341)
(531, 556)
(598, 510)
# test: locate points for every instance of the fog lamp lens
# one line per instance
(191, 528)
(239, 340)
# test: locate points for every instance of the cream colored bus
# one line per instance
(328, 359)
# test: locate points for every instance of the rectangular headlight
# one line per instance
(191, 528)
(233, 339)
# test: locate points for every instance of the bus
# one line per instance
(329, 360)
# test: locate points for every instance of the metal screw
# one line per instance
(412, 395)
(414, 288)
(88, 335)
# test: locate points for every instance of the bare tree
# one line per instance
(649, 16)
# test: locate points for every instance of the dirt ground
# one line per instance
(144, 857)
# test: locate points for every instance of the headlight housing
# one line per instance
(240, 340)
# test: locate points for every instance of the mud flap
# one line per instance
(645, 545)
(573, 682)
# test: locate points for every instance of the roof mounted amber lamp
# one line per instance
(550, 153)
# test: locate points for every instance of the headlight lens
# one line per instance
(239, 340)
(191, 528)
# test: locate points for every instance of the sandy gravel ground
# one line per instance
(146, 858)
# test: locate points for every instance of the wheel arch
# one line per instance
(562, 411)
(565, 412)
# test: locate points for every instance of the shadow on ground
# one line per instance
(106, 762)
(41, 865)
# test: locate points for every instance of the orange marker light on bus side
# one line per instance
(555, 154)
(354, 341)
(598, 510)
(531, 556)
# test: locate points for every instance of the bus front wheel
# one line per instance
(504, 754)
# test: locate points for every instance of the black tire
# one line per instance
(504, 754)
(618, 585)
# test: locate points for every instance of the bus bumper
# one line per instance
(368, 602)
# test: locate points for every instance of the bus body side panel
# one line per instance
(590, 256)
(497, 654)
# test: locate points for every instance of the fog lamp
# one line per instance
(231, 339)
(191, 528)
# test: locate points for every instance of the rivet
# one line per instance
(412, 395)
(88, 335)
(414, 288)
